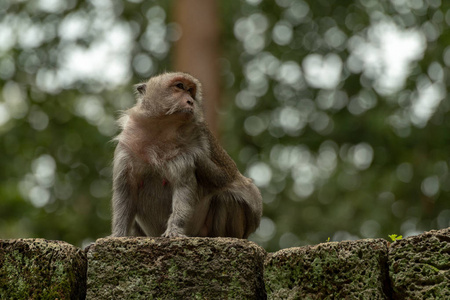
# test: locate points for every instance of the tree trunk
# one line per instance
(197, 51)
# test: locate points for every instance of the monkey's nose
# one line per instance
(190, 102)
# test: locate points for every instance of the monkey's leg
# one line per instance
(235, 212)
(123, 216)
(226, 217)
(123, 206)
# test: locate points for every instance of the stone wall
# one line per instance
(417, 267)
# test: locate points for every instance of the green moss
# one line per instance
(40, 269)
(335, 270)
(176, 268)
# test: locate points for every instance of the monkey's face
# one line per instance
(171, 94)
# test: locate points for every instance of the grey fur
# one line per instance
(170, 176)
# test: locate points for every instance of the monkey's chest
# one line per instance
(152, 182)
(156, 154)
(150, 147)
(154, 204)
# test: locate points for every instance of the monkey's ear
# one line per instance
(140, 88)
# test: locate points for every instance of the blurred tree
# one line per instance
(197, 50)
(344, 107)
(338, 110)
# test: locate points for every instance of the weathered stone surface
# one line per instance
(180, 268)
(41, 269)
(419, 266)
(345, 270)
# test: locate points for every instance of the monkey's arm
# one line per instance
(216, 169)
(184, 199)
(123, 200)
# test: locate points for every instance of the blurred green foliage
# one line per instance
(337, 109)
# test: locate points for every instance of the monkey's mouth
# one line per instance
(184, 111)
(189, 111)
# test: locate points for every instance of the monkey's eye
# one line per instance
(180, 85)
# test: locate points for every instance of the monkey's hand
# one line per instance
(173, 232)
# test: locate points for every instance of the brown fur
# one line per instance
(171, 177)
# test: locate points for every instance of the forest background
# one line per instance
(338, 110)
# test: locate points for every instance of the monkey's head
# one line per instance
(171, 94)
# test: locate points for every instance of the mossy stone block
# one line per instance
(41, 269)
(178, 268)
(419, 266)
(345, 270)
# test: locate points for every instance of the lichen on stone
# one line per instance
(41, 269)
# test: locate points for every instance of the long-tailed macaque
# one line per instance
(170, 175)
